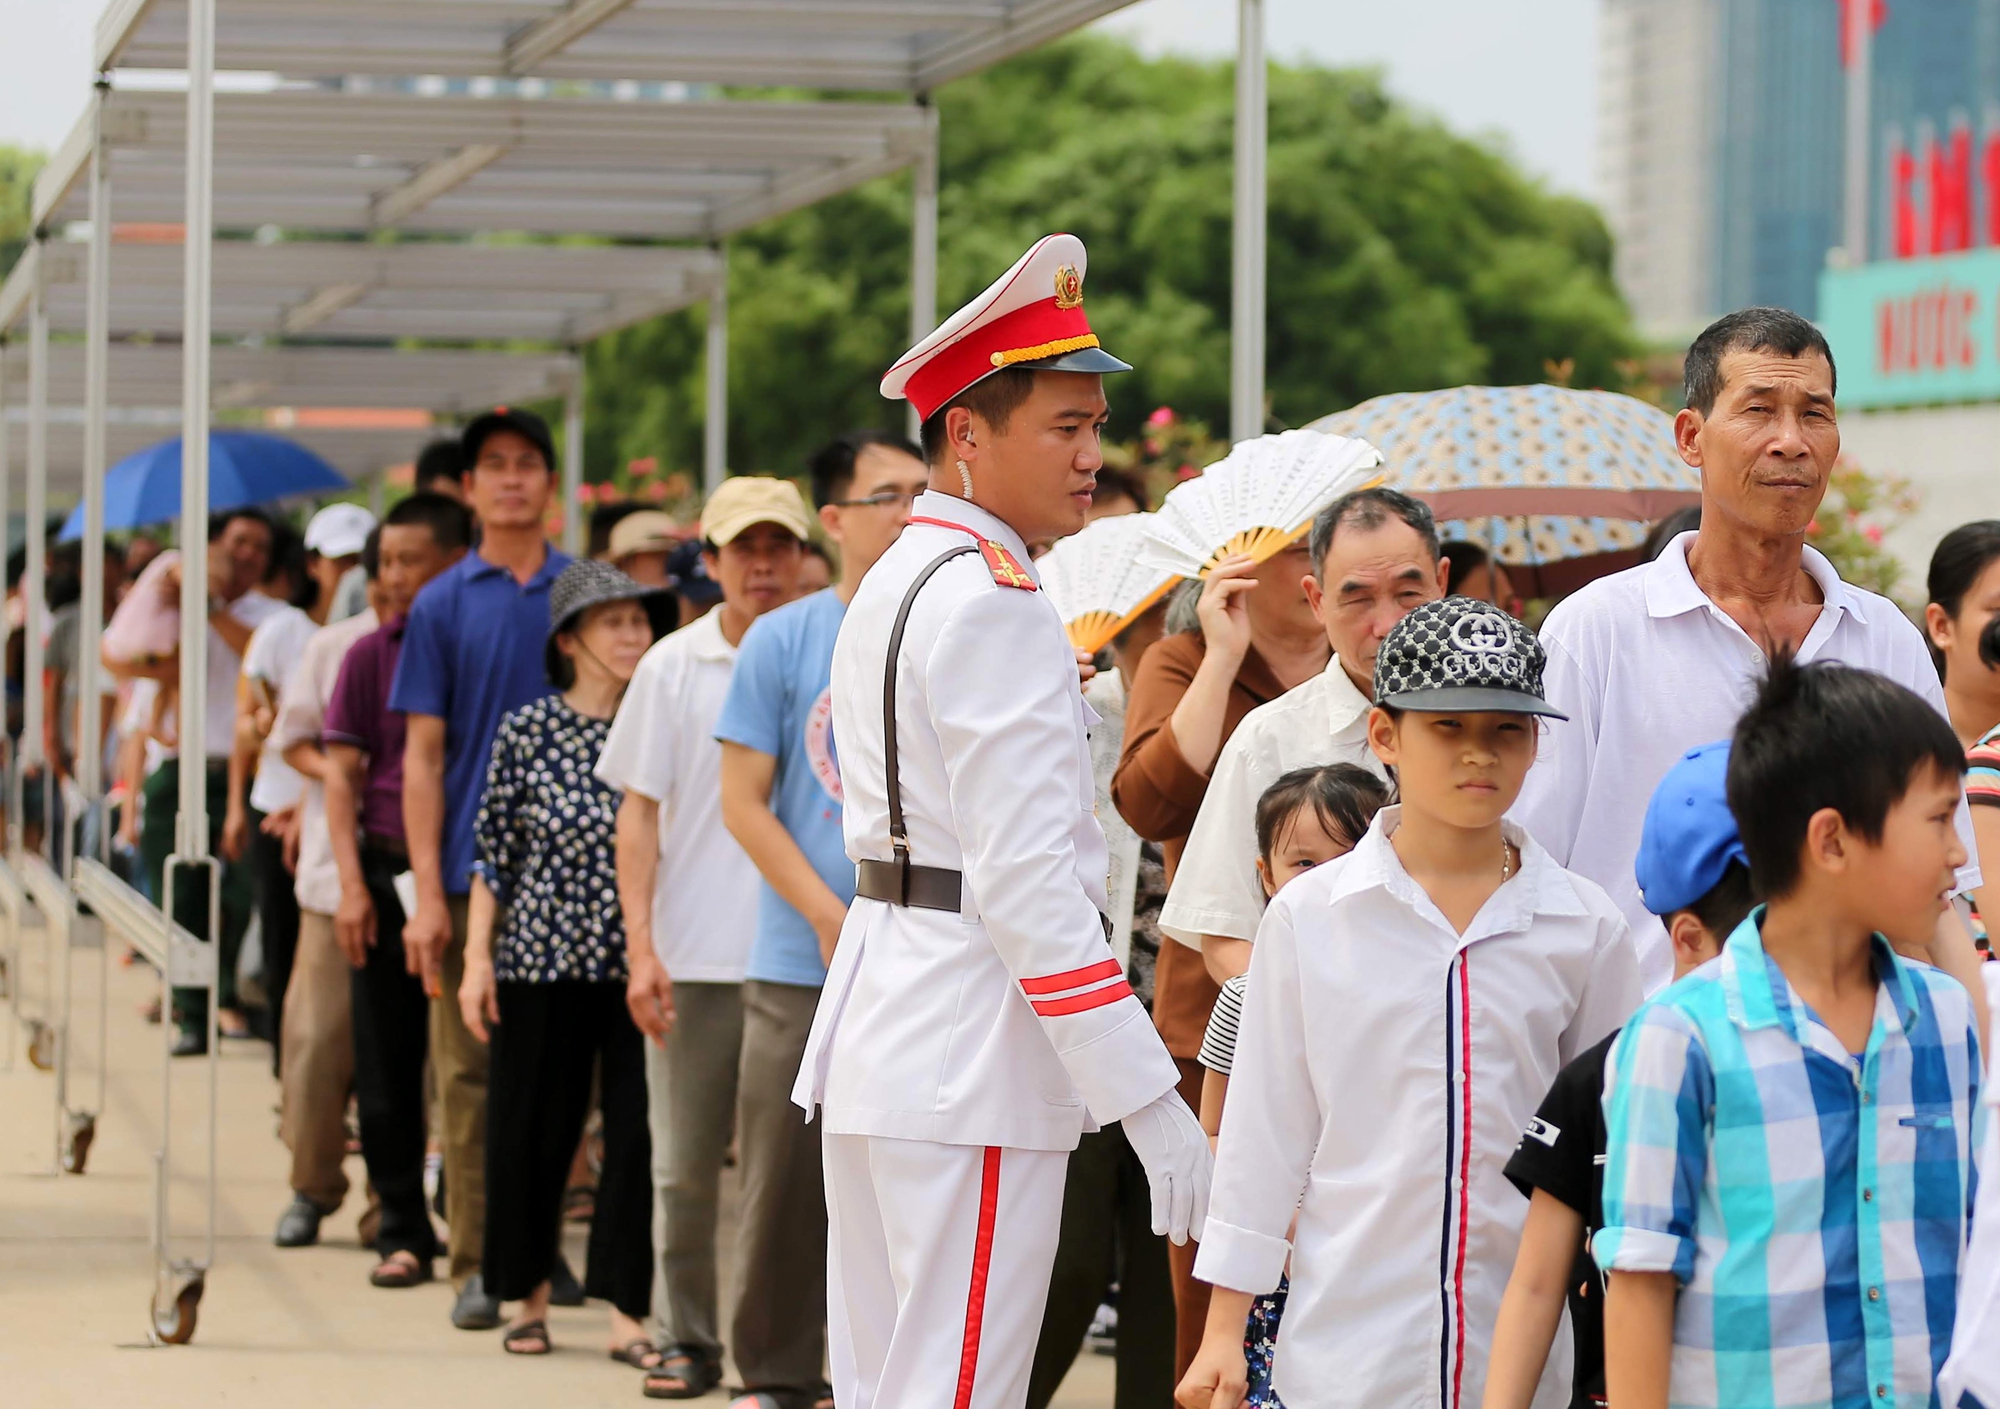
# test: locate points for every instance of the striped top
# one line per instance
(1218, 1044)
(1982, 777)
(1812, 1203)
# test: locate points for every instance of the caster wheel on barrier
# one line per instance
(174, 1324)
(41, 1045)
(79, 1130)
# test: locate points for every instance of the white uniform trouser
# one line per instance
(938, 1260)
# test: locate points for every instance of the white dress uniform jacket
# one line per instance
(1385, 1068)
(1008, 1023)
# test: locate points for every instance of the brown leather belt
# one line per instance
(919, 887)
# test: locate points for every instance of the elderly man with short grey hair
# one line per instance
(1662, 658)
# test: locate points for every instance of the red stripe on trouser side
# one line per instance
(982, 1258)
(1083, 1002)
(1075, 978)
(1464, 1174)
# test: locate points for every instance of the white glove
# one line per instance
(1172, 1145)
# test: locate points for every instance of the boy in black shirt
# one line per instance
(1693, 873)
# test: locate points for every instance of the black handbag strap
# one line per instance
(899, 839)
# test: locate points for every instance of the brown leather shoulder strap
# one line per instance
(899, 839)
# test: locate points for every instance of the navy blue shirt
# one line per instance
(472, 652)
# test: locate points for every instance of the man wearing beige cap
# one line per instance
(689, 897)
(640, 544)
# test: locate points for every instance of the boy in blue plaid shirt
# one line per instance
(1791, 1127)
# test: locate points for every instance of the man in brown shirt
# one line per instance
(1257, 639)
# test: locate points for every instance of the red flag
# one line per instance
(1878, 10)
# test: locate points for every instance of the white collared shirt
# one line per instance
(1007, 1022)
(1216, 889)
(302, 703)
(662, 746)
(1647, 667)
(1385, 1068)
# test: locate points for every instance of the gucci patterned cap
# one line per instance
(1461, 654)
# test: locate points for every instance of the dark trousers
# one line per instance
(779, 1328)
(549, 1037)
(391, 1038)
(156, 843)
(278, 910)
(1107, 1234)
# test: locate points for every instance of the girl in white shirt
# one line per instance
(1408, 1005)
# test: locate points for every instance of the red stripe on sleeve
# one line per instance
(1075, 978)
(1083, 1002)
(982, 1260)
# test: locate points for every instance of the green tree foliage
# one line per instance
(1401, 257)
(17, 181)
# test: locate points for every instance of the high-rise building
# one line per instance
(1721, 144)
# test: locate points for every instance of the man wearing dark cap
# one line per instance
(472, 651)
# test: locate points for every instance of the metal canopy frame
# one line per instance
(358, 290)
(891, 45)
(309, 158)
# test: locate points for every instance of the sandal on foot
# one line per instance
(400, 1269)
(682, 1373)
(640, 1354)
(528, 1338)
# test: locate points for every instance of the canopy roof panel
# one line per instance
(358, 290)
(905, 45)
(320, 159)
(444, 381)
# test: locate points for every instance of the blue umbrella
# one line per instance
(243, 468)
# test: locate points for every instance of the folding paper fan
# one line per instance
(1096, 581)
(1256, 500)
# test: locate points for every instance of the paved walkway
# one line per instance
(294, 1328)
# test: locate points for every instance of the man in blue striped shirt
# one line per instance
(1791, 1127)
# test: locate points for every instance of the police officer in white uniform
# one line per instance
(975, 1023)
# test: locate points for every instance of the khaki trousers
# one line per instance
(316, 1072)
(691, 1110)
(459, 1061)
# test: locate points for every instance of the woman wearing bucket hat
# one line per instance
(545, 975)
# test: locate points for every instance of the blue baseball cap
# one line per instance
(1690, 834)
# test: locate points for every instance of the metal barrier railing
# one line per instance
(182, 961)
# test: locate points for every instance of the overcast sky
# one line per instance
(1523, 70)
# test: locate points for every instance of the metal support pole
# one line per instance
(924, 240)
(1246, 338)
(572, 471)
(97, 326)
(1860, 80)
(34, 585)
(191, 832)
(715, 422)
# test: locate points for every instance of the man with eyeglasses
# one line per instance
(781, 801)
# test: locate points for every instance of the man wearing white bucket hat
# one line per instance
(974, 1022)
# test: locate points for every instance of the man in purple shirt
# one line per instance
(421, 537)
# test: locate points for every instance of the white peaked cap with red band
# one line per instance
(1032, 316)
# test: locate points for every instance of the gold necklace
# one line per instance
(1506, 861)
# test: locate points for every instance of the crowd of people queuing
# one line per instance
(547, 865)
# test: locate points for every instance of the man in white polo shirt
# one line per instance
(689, 897)
(1659, 659)
(1375, 559)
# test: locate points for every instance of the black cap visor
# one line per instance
(1472, 699)
(1084, 359)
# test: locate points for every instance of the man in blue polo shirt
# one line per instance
(781, 801)
(472, 651)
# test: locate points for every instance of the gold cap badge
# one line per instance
(1069, 287)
